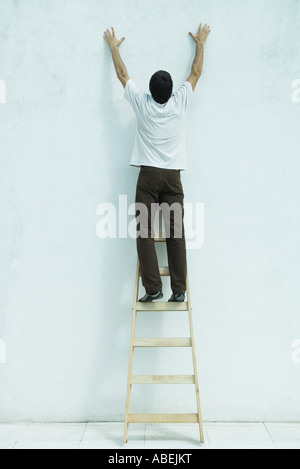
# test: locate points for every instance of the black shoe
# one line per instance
(178, 298)
(149, 298)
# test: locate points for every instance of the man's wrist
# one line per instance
(114, 48)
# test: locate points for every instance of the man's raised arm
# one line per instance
(114, 45)
(200, 39)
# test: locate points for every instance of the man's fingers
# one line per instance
(110, 37)
(121, 40)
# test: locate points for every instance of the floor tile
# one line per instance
(47, 445)
(239, 436)
(287, 444)
(285, 435)
(110, 436)
(10, 434)
(7, 444)
(183, 436)
(255, 445)
(53, 432)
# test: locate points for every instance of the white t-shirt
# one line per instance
(160, 136)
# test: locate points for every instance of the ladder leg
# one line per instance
(195, 363)
(133, 328)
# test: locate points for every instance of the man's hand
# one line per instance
(200, 39)
(202, 35)
(111, 39)
(114, 45)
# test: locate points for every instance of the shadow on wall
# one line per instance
(117, 260)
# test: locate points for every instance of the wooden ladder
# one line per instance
(155, 342)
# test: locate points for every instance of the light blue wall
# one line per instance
(66, 134)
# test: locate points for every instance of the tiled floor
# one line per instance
(109, 436)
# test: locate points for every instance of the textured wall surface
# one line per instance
(66, 134)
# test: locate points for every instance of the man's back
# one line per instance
(160, 138)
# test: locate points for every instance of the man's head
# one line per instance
(161, 87)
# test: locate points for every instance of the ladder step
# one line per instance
(163, 418)
(162, 306)
(162, 342)
(163, 379)
(159, 239)
(163, 271)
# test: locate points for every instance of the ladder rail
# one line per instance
(195, 361)
(130, 367)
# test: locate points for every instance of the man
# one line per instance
(159, 151)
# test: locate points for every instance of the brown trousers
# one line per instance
(161, 186)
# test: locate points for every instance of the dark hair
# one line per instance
(161, 87)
